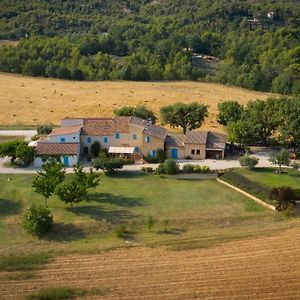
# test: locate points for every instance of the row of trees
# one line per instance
(262, 122)
(139, 40)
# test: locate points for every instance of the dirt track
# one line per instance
(263, 268)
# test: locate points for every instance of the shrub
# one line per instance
(283, 197)
(171, 166)
(128, 161)
(95, 148)
(160, 169)
(25, 154)
(248, 161)
(108, 165)
(188, 168)
(159, 157)
(36, 137)
(54, 293)
(147, 170)
(37, 220)
(44, 129)
(205, 169)
(121, 231)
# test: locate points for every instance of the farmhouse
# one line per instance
(126, 136)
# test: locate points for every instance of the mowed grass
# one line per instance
(199, 214)
(31, 101)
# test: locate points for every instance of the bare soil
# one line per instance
(261, 268)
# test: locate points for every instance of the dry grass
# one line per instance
(25, 100)
(261, 268)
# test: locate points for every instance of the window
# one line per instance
(62, 140)
(152, 153)
(198, 151)
(89, 139)
(134, 137)
(105, 139)
(193, 152)
(74, 137)
(117, 136)
(136, 149)
(147, 139)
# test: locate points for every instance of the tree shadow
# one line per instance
(102, 214)
(175, 231)
(9, 207)
(62, 232)
(115, 199)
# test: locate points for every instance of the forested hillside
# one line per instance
(258, 41)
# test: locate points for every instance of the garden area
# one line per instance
(134, 209)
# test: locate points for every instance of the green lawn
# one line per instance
(200, 214)
(268, 177)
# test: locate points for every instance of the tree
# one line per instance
(139, 111)
(44, 129)
(25, 153)
(95, 148)
(46, 181)
(284, 197)
(248, 161)
(73, 191)
(37, 220)
(187, 116)
(229, 111)
(280, 158)
(10, 149)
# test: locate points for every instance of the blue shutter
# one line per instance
(147, 139)
(105, 139)
(117, 136)
(134, 136)
(89, 139)
(62, 140)
(136, 149)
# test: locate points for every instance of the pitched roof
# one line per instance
(215, 140)
(196, 137)
(105, 126)
(138, 121)
(56, 148)
(155, 131)
(65, 130)
(175, 140)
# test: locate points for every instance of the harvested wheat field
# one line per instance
(31, 101)
(262, 268)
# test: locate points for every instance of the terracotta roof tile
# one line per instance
(105, 126)
(56, 148)
(65, 130)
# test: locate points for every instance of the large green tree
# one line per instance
(229, 111)
(46, 180)
(140, 111)
(187, 116)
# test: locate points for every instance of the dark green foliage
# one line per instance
(187, 116)
(254, 188)
(46, 180)
(23, 262)
(95, 148)
(169, 167)
(229, 111)
(15, 148)
(248, 161)
(37, 220)
(159, 157)
(44, 129)
(56, 293)
(195, 169)
(73, 191)
(283, 197)
(107, 164)
(142, 40)
(25, 154)
(150, 222)
(280, 158)
(121, 231)
(147, 170)
(139, 111)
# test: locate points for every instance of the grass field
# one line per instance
(30, 101)
(225, 239)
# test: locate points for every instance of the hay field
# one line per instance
(30, 101)
(262, 268)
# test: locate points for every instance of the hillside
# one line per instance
(31, 101)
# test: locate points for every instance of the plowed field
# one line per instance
(261, 268)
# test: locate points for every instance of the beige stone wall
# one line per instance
(190, 147)
(155, 143)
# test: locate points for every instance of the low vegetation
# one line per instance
(248, 161)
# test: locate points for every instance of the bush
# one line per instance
(121, 231)
(108, 165)
(188, 169)
(171, 166)
(25, 154)
(147, 170)
(37, 220)
(36, 137)
(149, 222)
(159, 157)
(160, 169)
(56, 293)
(284, 198)
(128, 161)
(95, 148)
(44, 129)
(248, 161)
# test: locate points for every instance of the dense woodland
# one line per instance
(147, 40)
